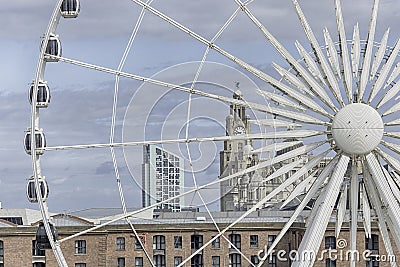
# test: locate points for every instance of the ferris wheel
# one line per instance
(342, 94)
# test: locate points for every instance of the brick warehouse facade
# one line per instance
(168, 240)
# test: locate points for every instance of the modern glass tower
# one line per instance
(162, 178)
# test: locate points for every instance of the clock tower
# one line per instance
(235, 157)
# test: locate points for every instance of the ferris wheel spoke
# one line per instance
(275, 147)
(300, 188)
(309, 195)
(283, 170)
(395, 108)
(392, 184)
(395, 73)
(317, 89)
(366, 63)
(259, 136)
(384, 72)
(378, 204)
(392, 134)
(384, 190)
(392, 92)
(391, 146)
(330, 77)
(355, 50)
(312, 237)
(332, 53)
(293, 79)
(354, 194)
(344, 52)
(300, 97)
(366, 210)
(341, 210)
(310, 63)
(380, 53)
(392, 161)
(281, 100)
(393, 123)
(275, 123)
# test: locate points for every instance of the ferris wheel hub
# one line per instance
(357, 129)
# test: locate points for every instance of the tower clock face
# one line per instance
(239, 130)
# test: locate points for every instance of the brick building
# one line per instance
(172, 237)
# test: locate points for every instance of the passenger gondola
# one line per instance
(70, 8)
(40, 141)
(53, 48)
(31, 190)
(43, 95)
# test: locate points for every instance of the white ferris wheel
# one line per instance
(343, 95)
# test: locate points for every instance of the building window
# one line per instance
(159, 260)
(139, 262)
(254, 241)
(80, 247)
(330, 263)
(255, 259)
(121, 262)
(235, 240)
(372, 243)
(80, 264)
(177, 241)
(120, 243)
(371, 262)
(137, 244)
(1, 251)
(196, 241)
(235, 260)
(159, 242)
(330, 242)
(272, 261)
(216, 243)
(215, 261)
(177, 261)
(36, 251)
(271, 239)
(197, 260)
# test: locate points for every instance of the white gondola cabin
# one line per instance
(42, 241)
(43, 95)
(31, 190)
(70, 8)
(40, 141)
(53, 48)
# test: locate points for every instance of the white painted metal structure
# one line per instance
(341, 96)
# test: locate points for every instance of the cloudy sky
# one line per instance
(81, 107)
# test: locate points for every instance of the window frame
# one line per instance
(177, 260)
(253, 241)
(178, 242)
(236, 240)
(196, 241)
(139, 264)
(216, 243)
(120, 243)
(235, 260)
(215, 264)
(330, 242)
(121, 260)
(80, 247)
(159, 242)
